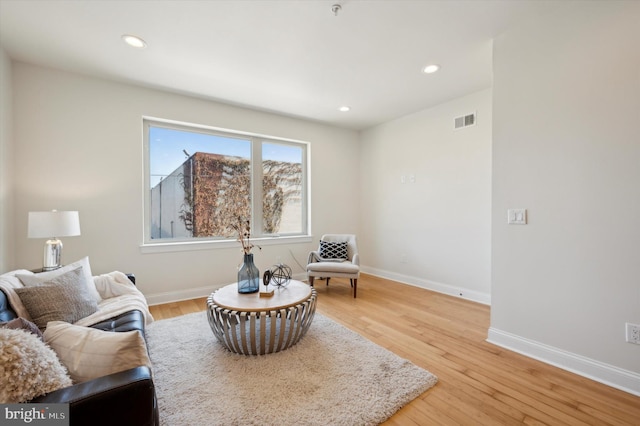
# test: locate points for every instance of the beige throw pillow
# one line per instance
(31, 280)
(65, 298)
(28, 367)
(89, 353)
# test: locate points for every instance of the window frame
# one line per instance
(150, 245)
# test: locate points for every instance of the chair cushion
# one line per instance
(333, 250)
(341, 268)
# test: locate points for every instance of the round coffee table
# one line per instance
(252, 325)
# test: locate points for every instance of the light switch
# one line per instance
(517, 216)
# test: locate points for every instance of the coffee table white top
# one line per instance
(283, 297)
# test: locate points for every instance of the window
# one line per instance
(200, 181)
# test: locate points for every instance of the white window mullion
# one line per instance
(256, 187)
(306, 190)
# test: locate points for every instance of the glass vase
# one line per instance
(248, 276)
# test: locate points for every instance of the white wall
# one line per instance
(79, 147)
(433, 233)
(6, 164)
(566, 146)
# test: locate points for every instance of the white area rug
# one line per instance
(333, 376)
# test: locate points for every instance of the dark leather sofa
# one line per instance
(122, 399)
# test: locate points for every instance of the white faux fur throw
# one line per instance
(119, 295)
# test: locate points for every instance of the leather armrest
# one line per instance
(127, 321)
(124, 398)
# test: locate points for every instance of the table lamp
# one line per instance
(52, 225)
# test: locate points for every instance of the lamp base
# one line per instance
(52, 254)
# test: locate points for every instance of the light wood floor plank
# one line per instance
(479, 383)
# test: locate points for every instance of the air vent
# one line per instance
(464, 121)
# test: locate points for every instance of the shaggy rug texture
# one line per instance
(333, 376)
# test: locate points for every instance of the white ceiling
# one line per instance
(290, 57)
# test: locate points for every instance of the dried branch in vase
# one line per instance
(243, 229)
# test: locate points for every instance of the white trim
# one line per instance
(610, 375)
(177, 296)
(221, 244)
(463, 293)
(185, 125)
(193, 293)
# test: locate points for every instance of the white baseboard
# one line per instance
(463, 293)
(184, 294)
(193, 293)
(618, 378)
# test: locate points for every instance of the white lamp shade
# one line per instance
(53, 224)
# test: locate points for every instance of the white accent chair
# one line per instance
(332, 268)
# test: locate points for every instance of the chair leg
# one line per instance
(355, 287)
(328, 280)
(311, 280)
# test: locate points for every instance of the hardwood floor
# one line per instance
(479, 383)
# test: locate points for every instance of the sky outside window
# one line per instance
(167, 149)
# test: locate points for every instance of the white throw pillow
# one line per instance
(28, 368)
(89, 353)
(42, 277)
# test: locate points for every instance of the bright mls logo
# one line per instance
(36, 414)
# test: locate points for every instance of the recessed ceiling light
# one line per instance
(430, 69)
(134, 41)
(344, 108)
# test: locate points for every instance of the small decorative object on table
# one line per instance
(280, 275)
(266, 279)
(248, 274)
